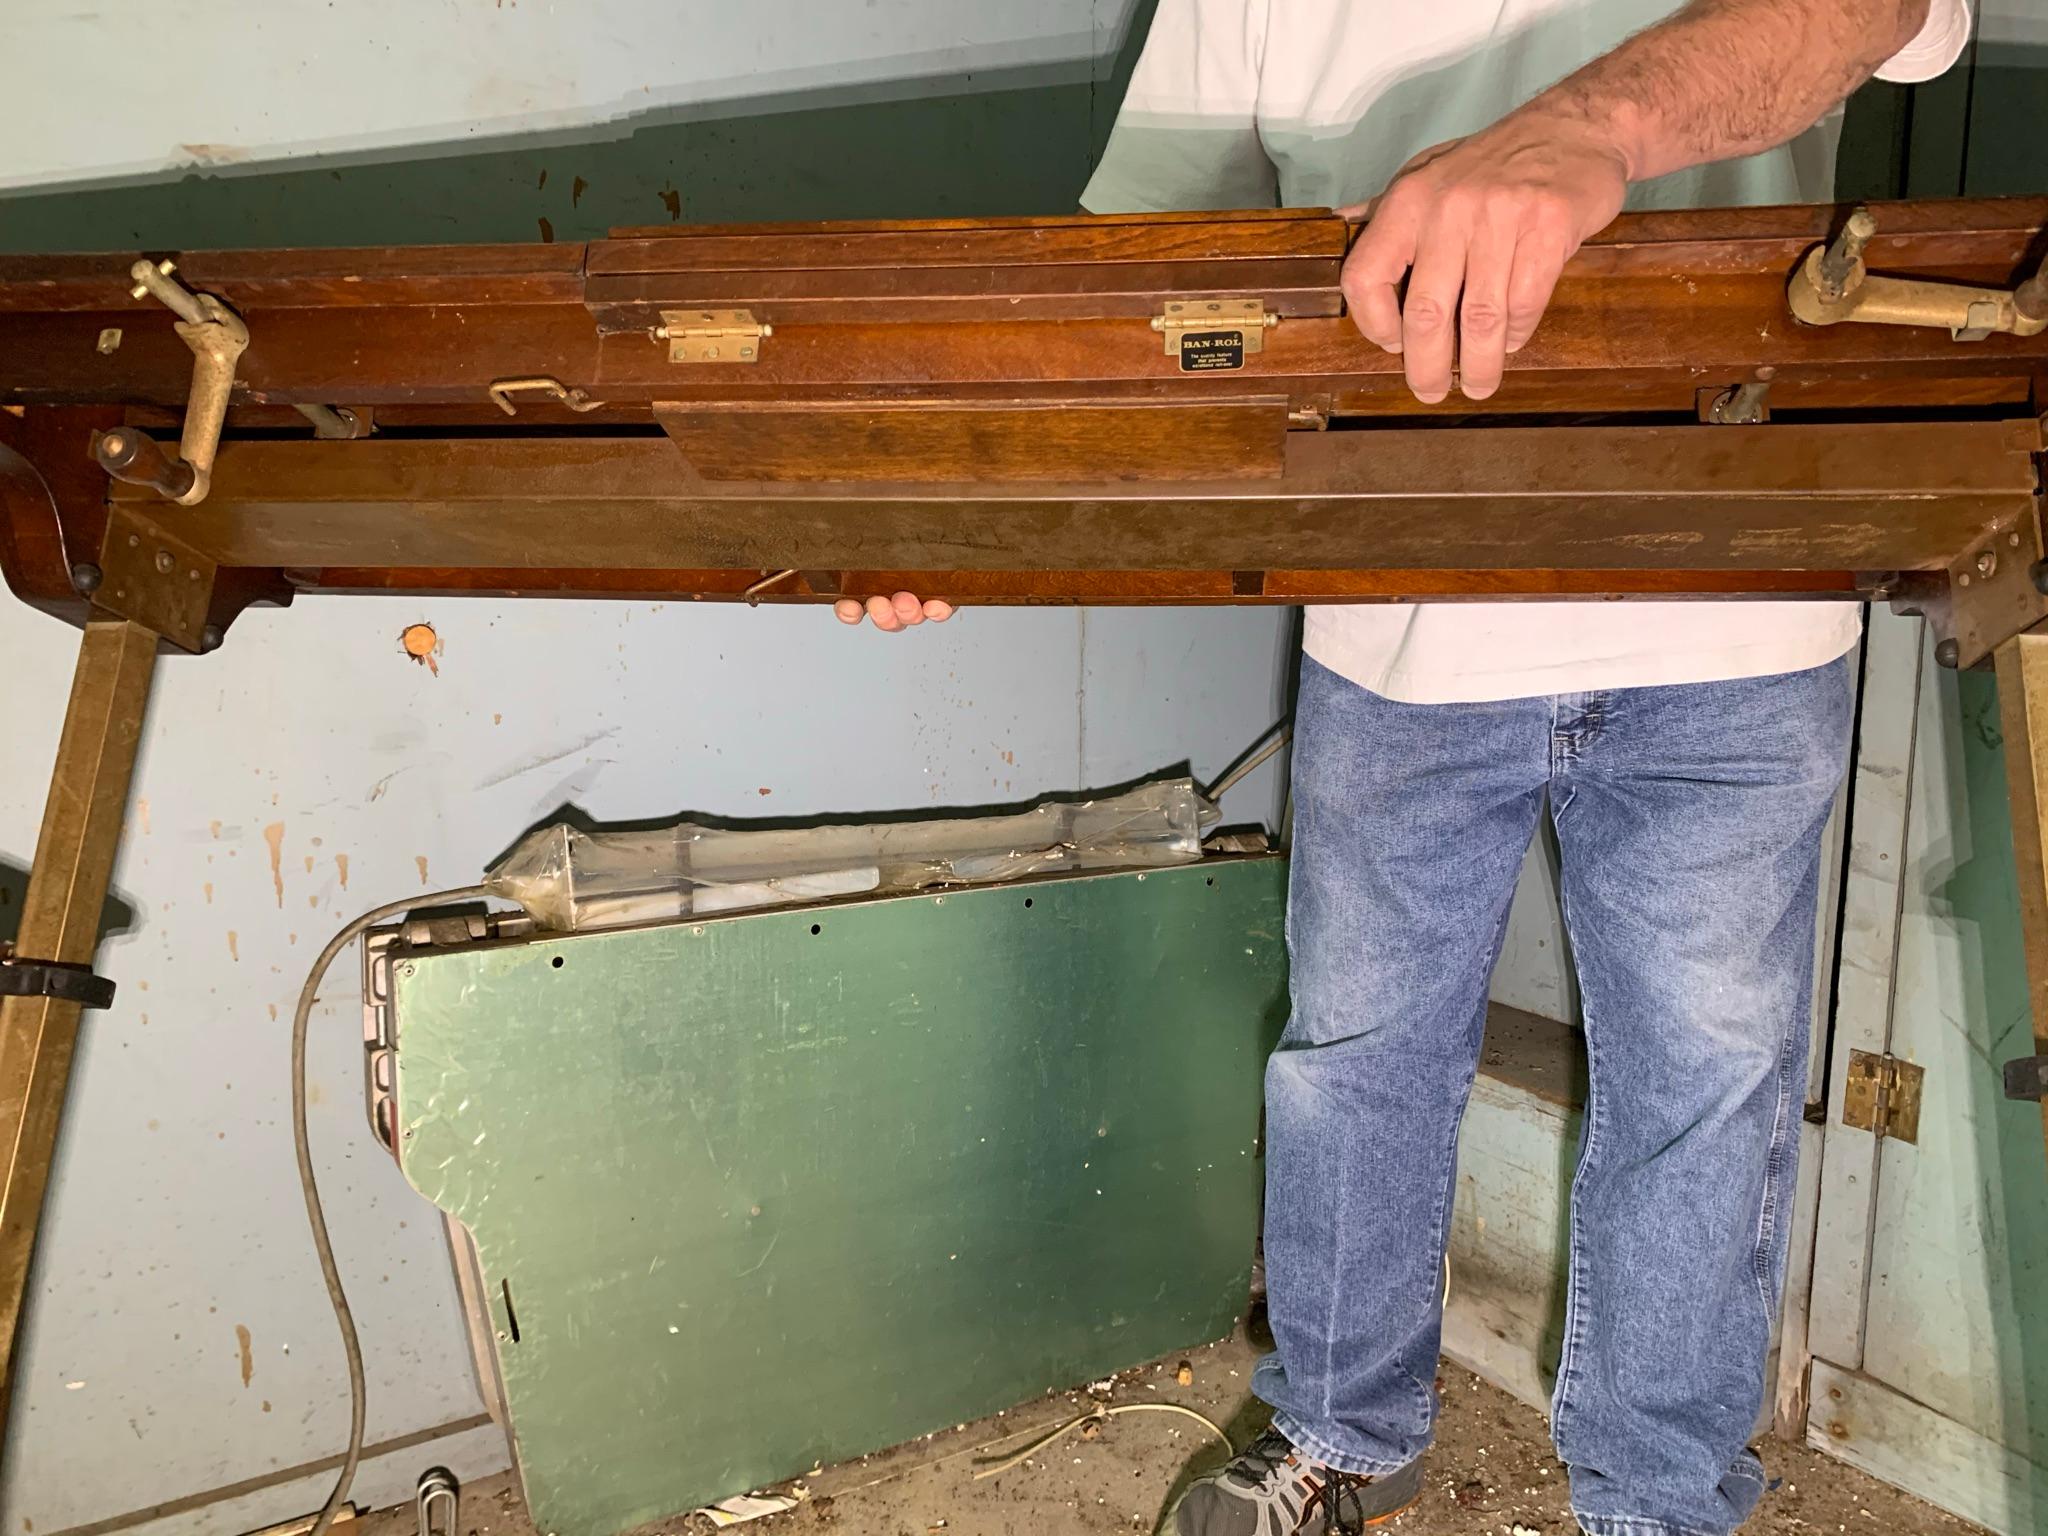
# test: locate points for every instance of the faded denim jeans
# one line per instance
(1690, 821)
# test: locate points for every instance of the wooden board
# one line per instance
(943, 368)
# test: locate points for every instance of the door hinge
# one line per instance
(1882, 1096)
(1208, 335)
(712, 335)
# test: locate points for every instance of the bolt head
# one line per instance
(1987, 561)
(210, 638)
(1947, 654)
(164, 561)
(86, 577)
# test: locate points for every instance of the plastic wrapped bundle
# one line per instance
(568, 879)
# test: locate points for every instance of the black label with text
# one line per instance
(1211, 351)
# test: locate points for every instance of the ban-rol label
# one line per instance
(1211, 351)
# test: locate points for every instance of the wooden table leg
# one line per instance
(60, 919)
(2023, 707)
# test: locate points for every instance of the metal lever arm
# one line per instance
(1831, 286)
(217, 338)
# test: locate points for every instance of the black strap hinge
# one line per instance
(2027, 1078)
(50, 978)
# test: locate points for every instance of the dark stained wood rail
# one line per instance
(984, 410)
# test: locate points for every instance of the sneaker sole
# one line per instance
(1393, 1514)
(1411, 1473)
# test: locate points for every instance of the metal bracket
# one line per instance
(1989, 593)
(152, 577)
(1210, 335)
(1831, 285)
(502, 391)
(383, 948)
(2027, 1078)
(1739, 405)
(712, 335)
(51, 978)
(1882, 1096)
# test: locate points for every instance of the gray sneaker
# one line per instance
(1271, 1489)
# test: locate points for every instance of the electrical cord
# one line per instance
(343, 1318)
(1269, 744)
(1097, 1416)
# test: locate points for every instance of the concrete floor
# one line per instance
(1492, 1473)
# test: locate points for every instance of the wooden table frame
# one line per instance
(984, 411)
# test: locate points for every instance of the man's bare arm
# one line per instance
(1494, 217)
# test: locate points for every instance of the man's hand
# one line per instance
(903, 611)
(1493, 218)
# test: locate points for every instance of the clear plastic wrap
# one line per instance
(568, 879)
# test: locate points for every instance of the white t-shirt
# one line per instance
(1317, 103)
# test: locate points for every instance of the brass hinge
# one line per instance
(1882, 1096)
(712, 335)
(1208, 335)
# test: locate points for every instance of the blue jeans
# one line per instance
(1690, 822)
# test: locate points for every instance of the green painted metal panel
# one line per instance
(766, 1191)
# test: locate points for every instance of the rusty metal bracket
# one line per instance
(1832, 285)
(151, 577)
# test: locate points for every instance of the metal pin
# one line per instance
(1840, 264)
